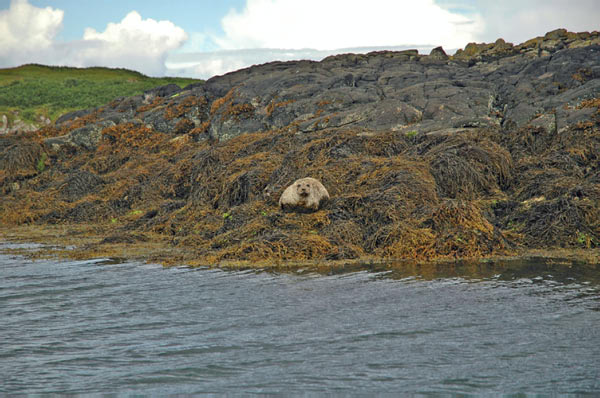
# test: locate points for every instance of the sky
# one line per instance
(203, 38)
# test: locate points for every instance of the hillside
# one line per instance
(38, 94)
(491, 152)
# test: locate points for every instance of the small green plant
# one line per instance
(226, 216)
(515, 226)
(113, 220)
(135, 212)
(586, 240)
(264, 213)
(41, 163)
(411, 134)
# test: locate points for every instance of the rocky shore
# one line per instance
(493, 151)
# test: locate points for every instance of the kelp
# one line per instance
(471, 194)
(468, 167)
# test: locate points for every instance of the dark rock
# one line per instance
(569, 117)
(438, 54)
(352, 90)
(88, 136)
(164, 91)
(70, 116)
(483, 85)
(556, 34)
(546, 122)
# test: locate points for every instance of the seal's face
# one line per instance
(303, 189)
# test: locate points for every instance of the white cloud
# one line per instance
(517, 21)
(268, 30)
(140, 44)
(25, 28)
(207, 64)
(27, 35)
(333, 24)
(144, 36)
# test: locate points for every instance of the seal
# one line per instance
(304, 194)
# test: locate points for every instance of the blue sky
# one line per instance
(193, 16)
(203, 38)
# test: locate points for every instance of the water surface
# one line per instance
(103, 326)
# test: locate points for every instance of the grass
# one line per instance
(33, 90)
(41, 163)
(586, 240)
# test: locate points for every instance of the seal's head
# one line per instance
(303, 189)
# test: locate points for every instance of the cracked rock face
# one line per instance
(381, 92)
(496, 85)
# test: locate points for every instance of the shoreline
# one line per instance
(88, 241)
(425, 158)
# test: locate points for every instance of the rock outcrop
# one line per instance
(17, 125)
(496, 84)
(484, 152)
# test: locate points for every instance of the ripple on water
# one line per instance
(104, 326)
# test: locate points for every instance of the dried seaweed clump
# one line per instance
(462, 230)
(566, 221)
(130, 136)
(466, 168)
(80, 184)
(20, 159)
(178, 108)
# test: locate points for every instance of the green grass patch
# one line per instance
(41, 163)
(586, 240)
(50, 91)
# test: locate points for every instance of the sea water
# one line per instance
(115, 327)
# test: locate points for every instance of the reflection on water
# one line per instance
(105, 326)
(560, 270)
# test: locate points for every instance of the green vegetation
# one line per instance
(50, 91)
(586, 240)
(41, 163)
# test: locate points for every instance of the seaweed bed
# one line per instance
(193, 177)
